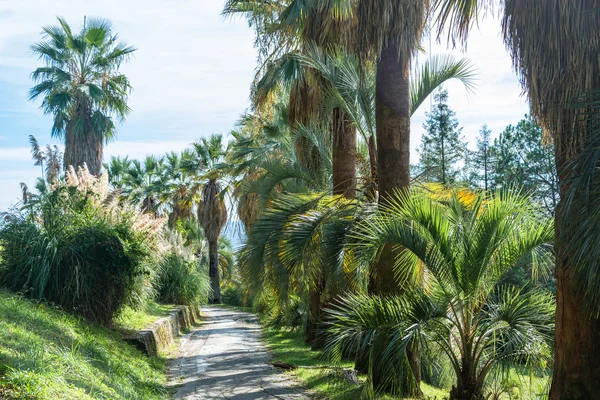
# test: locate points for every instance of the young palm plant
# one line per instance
(82, 87)
(453, 256)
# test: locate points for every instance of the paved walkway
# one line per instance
(225, 359)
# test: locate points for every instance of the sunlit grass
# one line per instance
(130, 319)
(48, 354)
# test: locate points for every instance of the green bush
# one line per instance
(67, 249)
(232, 293)
(182, 280)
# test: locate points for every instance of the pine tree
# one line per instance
(442, 146)
(482, 160)
(524, 161)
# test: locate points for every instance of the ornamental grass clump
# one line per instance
(182, 278)
(77, 246)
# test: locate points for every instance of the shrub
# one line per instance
(71, 248)
(232, 293)
(182, 280)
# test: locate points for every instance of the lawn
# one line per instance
(48, 354)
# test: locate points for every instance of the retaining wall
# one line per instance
(161, 335)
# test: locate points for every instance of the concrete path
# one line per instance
(225, 359)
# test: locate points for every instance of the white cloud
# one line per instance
(15, 154)
(9, 182)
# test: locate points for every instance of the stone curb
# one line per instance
(161, 335)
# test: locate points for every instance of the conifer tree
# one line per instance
(442, 146)
(482, 160)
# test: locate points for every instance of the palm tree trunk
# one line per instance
(393, 170)
(213, 271)
(315, 316)
(468, 387)
(557, 58)
(576, 374)
(83, 148)
(343, 154)
(393, 146)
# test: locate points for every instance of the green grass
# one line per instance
(290, 347)
(135, 320)
(48, 354)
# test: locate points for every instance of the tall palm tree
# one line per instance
(180, 188)
(212, 211)
(554, 45)
(400, 26)
(82, 88)
(292, 27)
(456, 252)
(352, 88)
(558, 60)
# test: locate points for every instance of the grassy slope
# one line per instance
(48, 354)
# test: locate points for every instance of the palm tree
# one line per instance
(181, 189)
(144, 182)
(454, 255)
(290, 26)
(117, 170)
(82, 88)
(400, 25)
(558, 71)
(554, 45)
(212, 212)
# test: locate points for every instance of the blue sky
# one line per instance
(191, 77)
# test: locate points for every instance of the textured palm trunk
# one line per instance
(80, 149)
(83, 148)
(576, 374)
(470, 390)
(468, 387)
(213, 271)
(343, 154)
(393, 171)
(393, 147)
(555, 44)
(315, 307)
